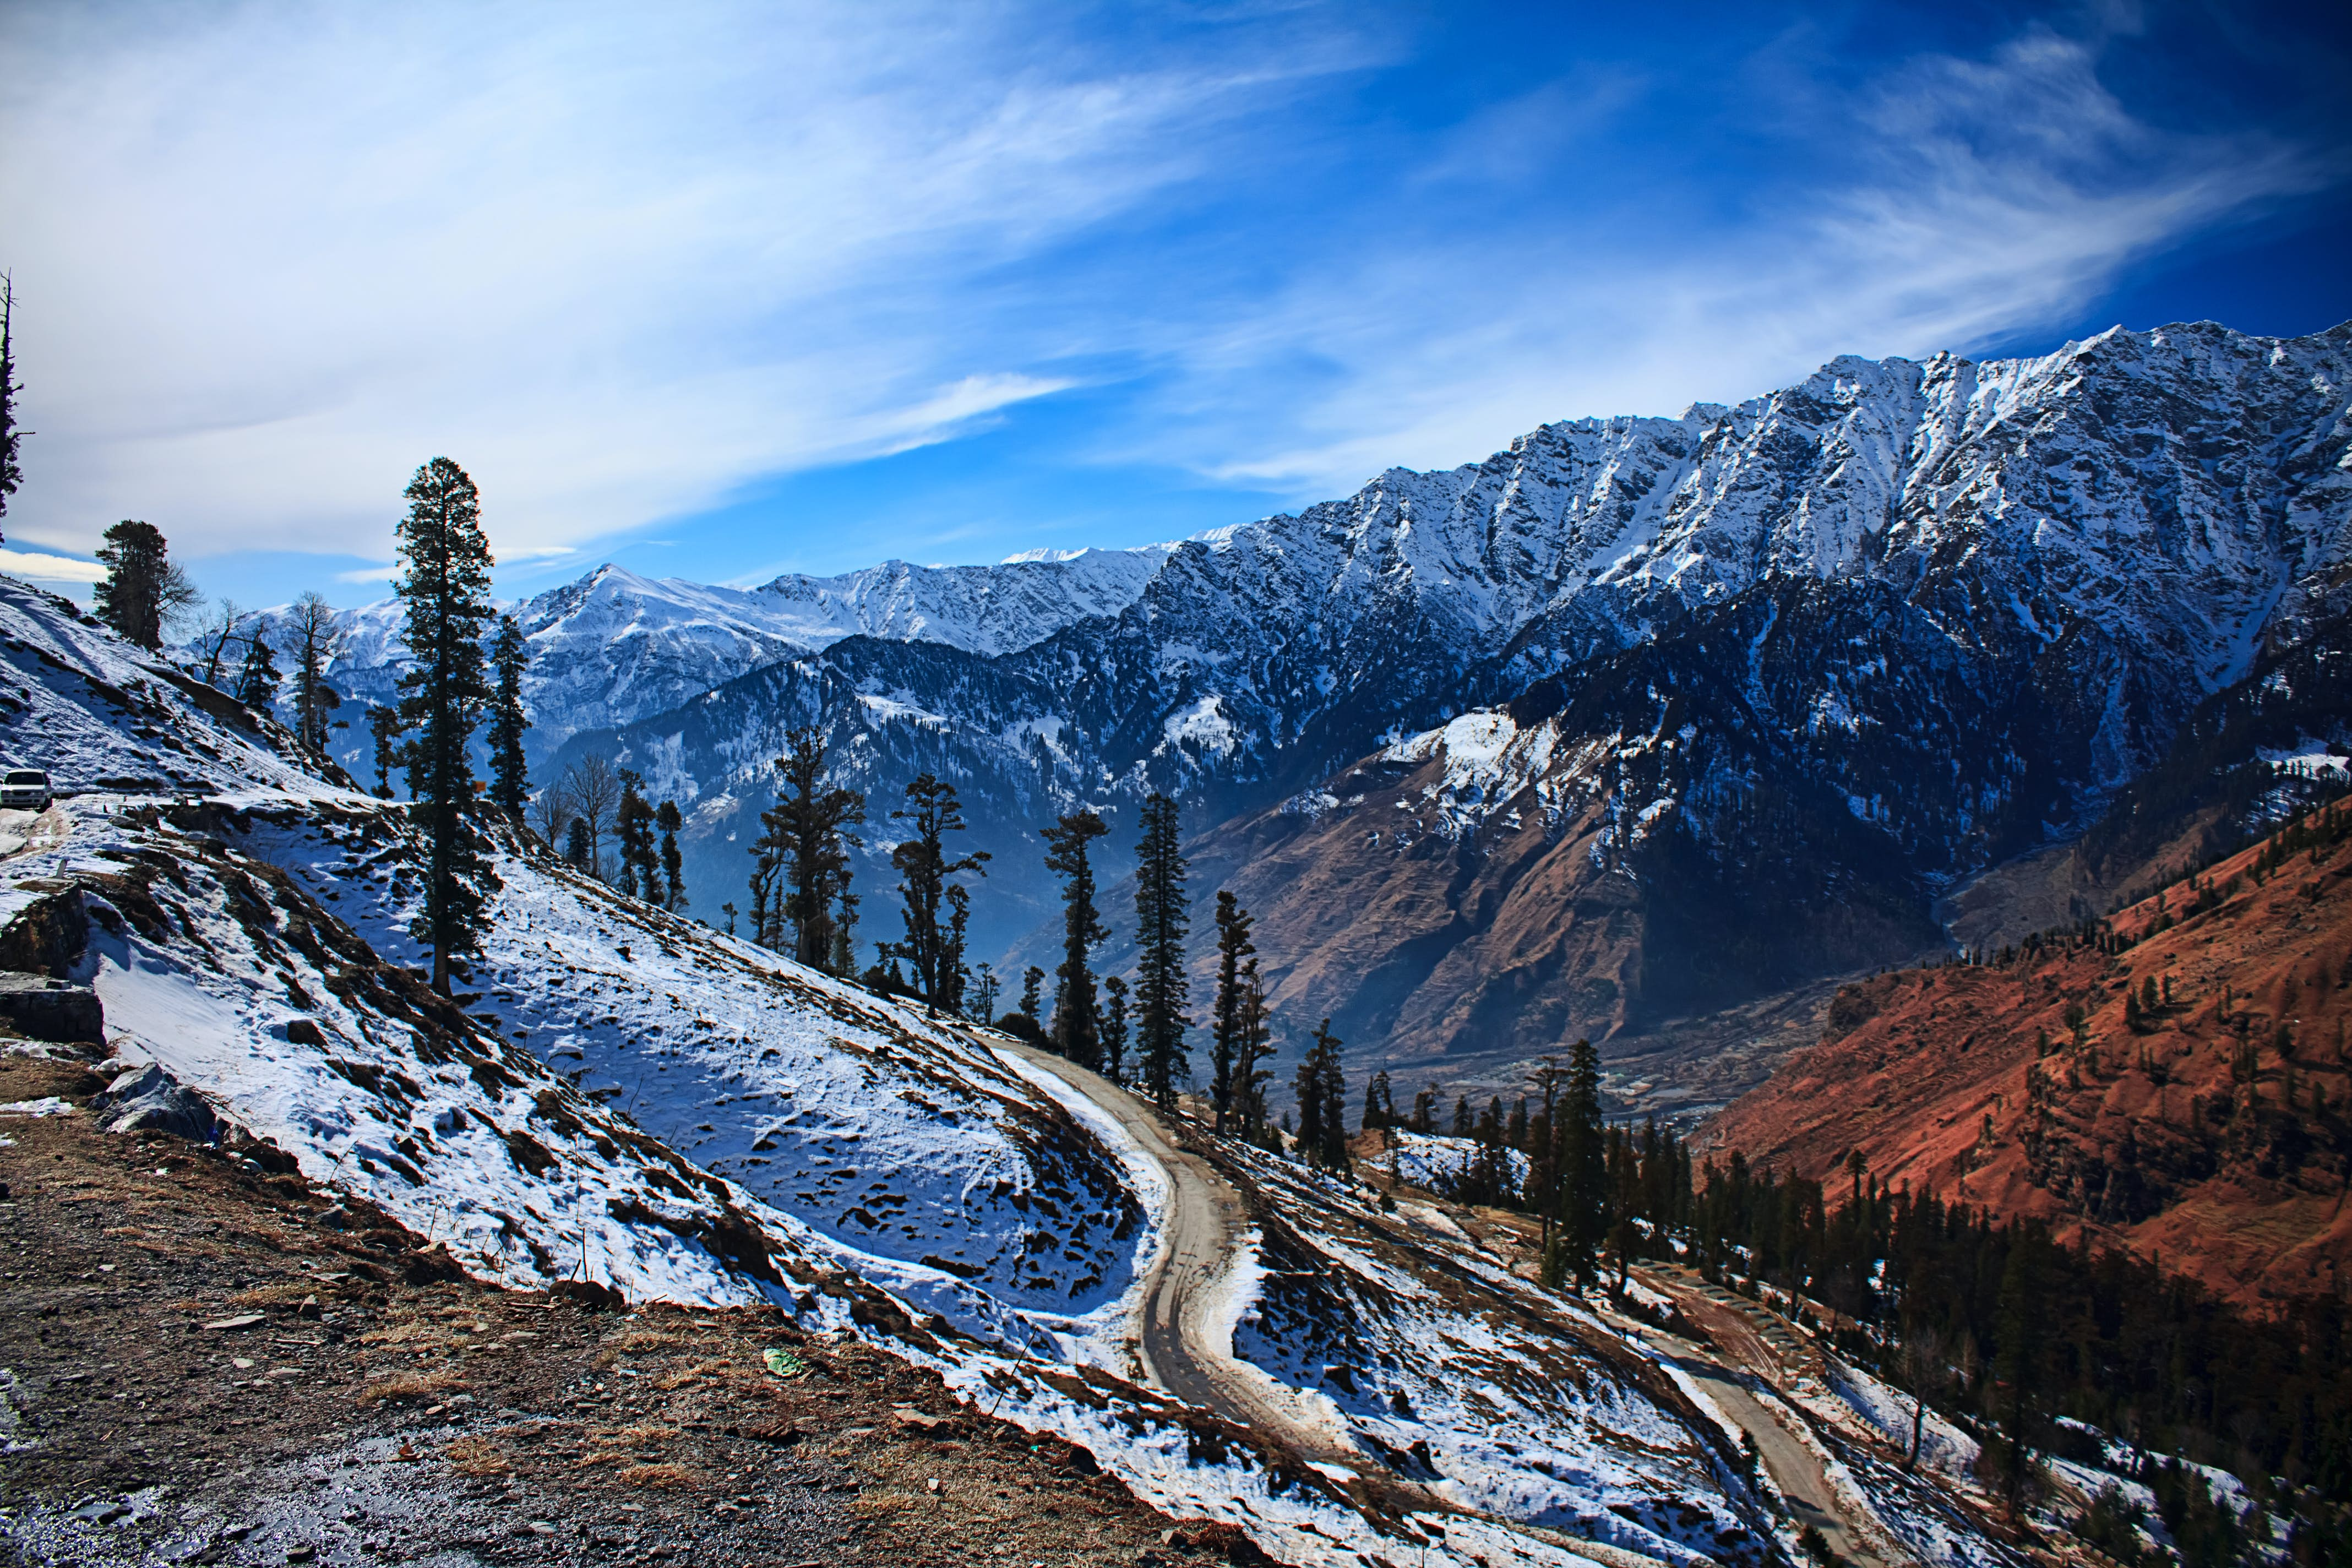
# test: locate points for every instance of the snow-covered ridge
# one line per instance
(2168, 480)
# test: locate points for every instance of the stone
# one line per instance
(41, 1008)
(237, 1324)
(152, 1097)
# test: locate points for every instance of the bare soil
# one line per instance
(204, 1361)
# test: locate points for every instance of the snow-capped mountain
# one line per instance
(616, 647)
(1960, 603)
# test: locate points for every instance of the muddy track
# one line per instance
(1180, 1347)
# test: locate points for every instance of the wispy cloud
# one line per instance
(627, 265)
(1970, 199)
(616, 264)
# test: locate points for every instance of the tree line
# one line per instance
(1131, 1028)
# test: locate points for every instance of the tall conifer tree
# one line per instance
(1580, 1217)
(805, 847)
(509, 774)
(143, 586)
(670, 820)
(1322, 1092)
(1162, 986)
(1234, 946)
(1078, 1027)
(1114, 1028)
(445, 590)
(924, 866)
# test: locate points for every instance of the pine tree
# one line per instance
(1078, 1027)
(953, 975)
(924, 866)
(1253, 1047)
(384, 728)
(1322, 1090)
(633, 825)
(984, 989)
(509, 774)
(803, 856)
(258, 681)
(1031, 978)
(580, 844)
(1115, 1028)
(673, 865)
(2023, 1313)
(446, 593)
(1162, 986)
(1380, 1107)
(12, 472)
(313, 642)
(143, 587)
(1234, 946)
(1579, 1210)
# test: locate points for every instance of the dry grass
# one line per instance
(274, 1294)
(880, 1504)
(411, 1385)
(667, 1478)
(715, 1370)
(476, 1456)
(644, 1339)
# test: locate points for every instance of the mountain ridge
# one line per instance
(1962, 603)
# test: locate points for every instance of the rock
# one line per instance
(310, 1308)
(302, 1032)
(152, 1097)
(337, 1217)
(593, 1294)
(45, 1009)
(237, 1324)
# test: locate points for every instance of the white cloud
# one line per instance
(615, 261)
(39, 568)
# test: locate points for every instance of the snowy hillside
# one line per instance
(622, 1096)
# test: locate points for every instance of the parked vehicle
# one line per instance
(26, 789)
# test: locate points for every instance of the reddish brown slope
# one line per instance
(2215, 1136)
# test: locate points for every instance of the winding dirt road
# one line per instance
(1184, 1350)
(1181, 1348)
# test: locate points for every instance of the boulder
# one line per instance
(152, 1097)
(40, 1008)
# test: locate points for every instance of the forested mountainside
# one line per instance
(2173, 1078)
(1818, 658)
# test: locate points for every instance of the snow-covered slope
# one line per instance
(622, 1096)
(252, 937)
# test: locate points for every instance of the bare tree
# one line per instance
(593, 786)
(551, 813)
(1925, 1363)
(313, 640)
(215, 634)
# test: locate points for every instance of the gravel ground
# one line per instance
(203, 1362)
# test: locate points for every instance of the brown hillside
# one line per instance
(2213, 1136)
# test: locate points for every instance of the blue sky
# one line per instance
(725, 291)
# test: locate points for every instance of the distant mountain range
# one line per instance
(1638, 718)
